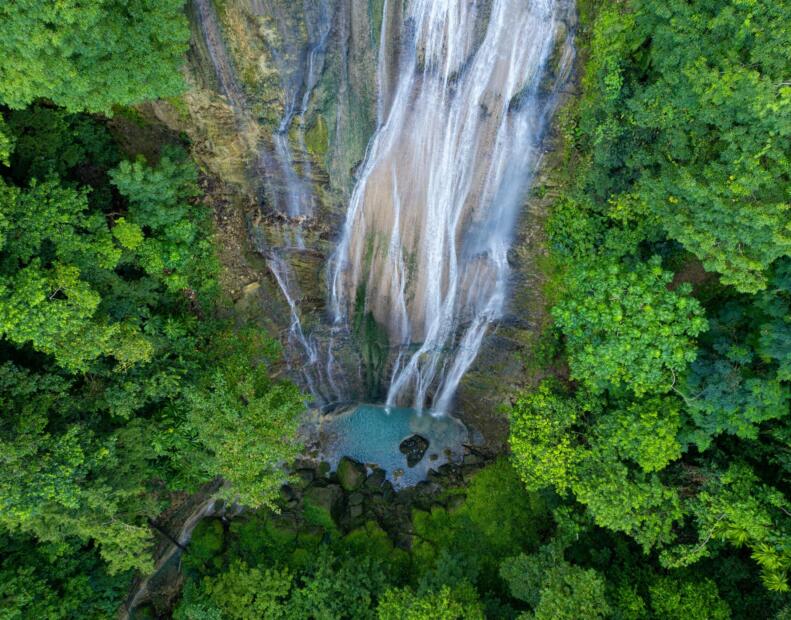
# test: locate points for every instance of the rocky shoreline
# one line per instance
(353, 494)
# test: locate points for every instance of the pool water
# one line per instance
(371, 434)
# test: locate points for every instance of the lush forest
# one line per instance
(649, 473)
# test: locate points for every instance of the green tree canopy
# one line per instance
(687, 121)
(91, 55)
(554, 588)
(624, 328)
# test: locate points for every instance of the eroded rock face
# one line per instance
(415, 448)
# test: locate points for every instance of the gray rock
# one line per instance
(324, 469)
(414, 447)
(469, 471)
(287, 493)
(351, 474)
(355, 499)
(472, 459)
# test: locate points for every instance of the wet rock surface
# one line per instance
(414, 448)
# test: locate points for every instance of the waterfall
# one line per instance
(298, 80)
(297, 202)
(432, 215)
(465, 90)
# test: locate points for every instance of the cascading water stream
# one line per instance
(294, 171)
(431, 217)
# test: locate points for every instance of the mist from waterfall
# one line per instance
(432, 216)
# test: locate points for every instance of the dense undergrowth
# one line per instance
(649, 479)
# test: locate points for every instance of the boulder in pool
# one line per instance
(351, 474)
(415, 448)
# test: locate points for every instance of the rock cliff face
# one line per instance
(281, 105)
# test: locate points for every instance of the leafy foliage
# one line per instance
(674, 429)
(246, 424)
(445, 604)
(110, 340)
(624, 328)
(685, 118)
(677, 600)
(91, 56)
(554, 588)
(544, 448)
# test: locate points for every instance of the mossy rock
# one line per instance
(205, 545)
(372, 541)
(262, 535)
(317, 138)
(373, 343)
(351, 474)
(322, 506)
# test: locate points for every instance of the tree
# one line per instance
(91, 56)
(554, 588)
(605, 455)
(56, 582)
(719, 179)
(624, 328)
(626, 499)
(49, 243)
(160, 202)
(6, 142)
(734, 506)
(684, 123)
(61, 483)
(245, 424)
(244, 593)
(740, 380)
(544, 449)
(49, 141)
(644, 431)
(676, 599)
(460, 603)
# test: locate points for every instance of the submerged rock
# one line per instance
(351, 474)
(414, 447)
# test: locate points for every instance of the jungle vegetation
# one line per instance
(650, 470)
